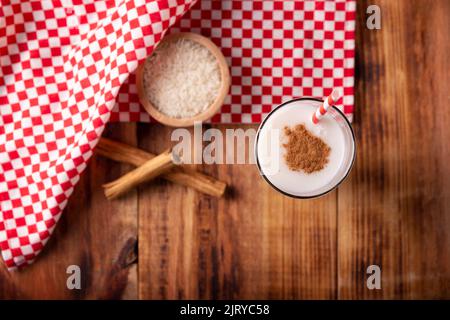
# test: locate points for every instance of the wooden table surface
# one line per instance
(166, 241)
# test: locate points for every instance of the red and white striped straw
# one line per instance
(329, 101)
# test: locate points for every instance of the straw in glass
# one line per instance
(329, 101)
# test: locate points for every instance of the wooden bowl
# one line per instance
(205, 114)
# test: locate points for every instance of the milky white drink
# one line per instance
(333, 129)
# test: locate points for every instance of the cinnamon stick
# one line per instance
(146, 172)
(125, 153)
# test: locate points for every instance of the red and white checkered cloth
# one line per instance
(61, 65)
(277, 50)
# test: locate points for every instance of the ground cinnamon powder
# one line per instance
(304, 151)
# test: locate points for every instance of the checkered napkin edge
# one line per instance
(54, 105)
(276, 50)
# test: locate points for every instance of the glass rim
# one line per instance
(347, 122)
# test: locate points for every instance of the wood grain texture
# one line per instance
(393, 211)
(253, 243)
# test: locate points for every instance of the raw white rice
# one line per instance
(181, 78)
